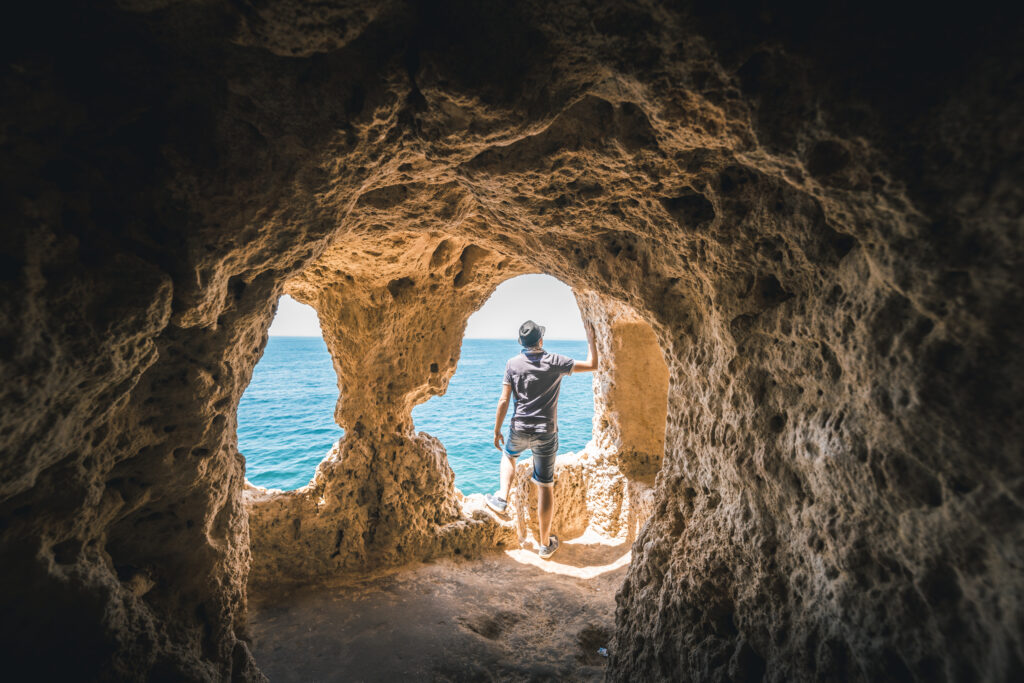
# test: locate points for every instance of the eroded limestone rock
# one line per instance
(591, 494)
(817, 212)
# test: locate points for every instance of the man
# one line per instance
(533, 379)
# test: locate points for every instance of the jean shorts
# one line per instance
(544, 447)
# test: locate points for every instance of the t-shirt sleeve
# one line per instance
(508, 374)
(564, 363)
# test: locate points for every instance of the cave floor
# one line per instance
(508, 616)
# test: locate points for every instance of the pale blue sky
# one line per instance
(540, 298)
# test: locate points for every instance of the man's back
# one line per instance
(535, 378)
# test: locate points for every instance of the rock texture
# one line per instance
(393, 312)
(631, 397)
(817, 212)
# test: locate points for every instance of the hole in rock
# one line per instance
(603, 495)
(463, 418)
(286, 415)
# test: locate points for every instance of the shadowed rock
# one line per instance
(812, 216)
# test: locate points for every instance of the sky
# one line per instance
(541, 298)
(294, 320)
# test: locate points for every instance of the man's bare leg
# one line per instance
(499, 502)
(545, 511)
(508, 471)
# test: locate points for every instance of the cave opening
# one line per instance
(604, 494)
(286, 414)
(463, 417)
(394, 346)
(394, 314)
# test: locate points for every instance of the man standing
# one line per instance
(533, 379)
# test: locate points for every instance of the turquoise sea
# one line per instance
(286, 416)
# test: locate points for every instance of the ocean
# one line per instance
(286, 415)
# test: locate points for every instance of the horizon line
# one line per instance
(320, 336)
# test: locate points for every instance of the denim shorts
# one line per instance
(544, 447)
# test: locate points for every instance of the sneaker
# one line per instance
(546, 551)
(496, 503)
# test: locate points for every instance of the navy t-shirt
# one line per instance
(535, 378)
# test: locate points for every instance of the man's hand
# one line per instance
(588, 327)
(499, 415)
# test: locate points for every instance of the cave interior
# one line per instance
(797, 230)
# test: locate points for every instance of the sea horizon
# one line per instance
(317, 336)
(286, 415)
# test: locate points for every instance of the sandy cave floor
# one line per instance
(507, 616)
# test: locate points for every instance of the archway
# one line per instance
(285, 416)
(599, 509)
(385, 495)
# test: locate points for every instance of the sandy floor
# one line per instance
(507, 617)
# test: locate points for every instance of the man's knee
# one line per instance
(545, 498)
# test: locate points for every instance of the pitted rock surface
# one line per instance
(817, 213)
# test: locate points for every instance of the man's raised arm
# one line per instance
(590, 364)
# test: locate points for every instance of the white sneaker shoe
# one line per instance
(496, 503)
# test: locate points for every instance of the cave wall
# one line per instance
(631, 388)
(817, 213)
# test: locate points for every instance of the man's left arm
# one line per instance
(499, 416)
(590, 364)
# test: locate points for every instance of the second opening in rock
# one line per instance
(286, 416)
(463, 418)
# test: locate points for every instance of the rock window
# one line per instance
(286, 415)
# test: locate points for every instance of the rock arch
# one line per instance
(825, 250)
(393, 312)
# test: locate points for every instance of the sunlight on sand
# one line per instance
(579, 557)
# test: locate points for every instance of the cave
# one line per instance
(798, 232)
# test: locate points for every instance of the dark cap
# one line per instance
(530, 333)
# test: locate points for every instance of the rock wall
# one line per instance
(591, 495)
(818, 213)
(631, 394)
